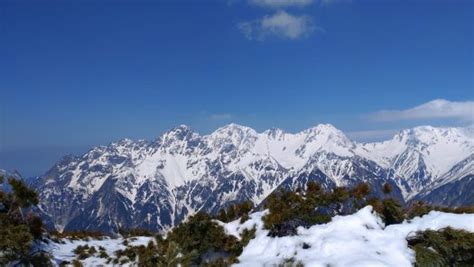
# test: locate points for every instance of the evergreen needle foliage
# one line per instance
(290, 209)
(18, 231)
(235, 211)
(201, 241)
(447, 247)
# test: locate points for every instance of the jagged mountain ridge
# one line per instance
(156, 184)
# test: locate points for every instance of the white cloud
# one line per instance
(281, 24)
(220, 116)
(281, 3)
(435, 109)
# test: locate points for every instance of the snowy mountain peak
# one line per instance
(326, 130)
(237, 136)
(235, 129)
(179, 134)
(182, 172)
(430, 134)
(329, 138)
(324, 127)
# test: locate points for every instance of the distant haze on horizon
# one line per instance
(77, 74)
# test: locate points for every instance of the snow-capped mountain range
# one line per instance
(156, 184)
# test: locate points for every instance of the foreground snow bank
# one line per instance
(359, 239)
(64, 252)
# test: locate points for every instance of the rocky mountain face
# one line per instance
(156, 184)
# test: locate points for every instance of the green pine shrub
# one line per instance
(420, 208)
(15, 242)
(291, 209)
(19, 231)
(446, 247)
(200, 235)
(103, 254)
(198, 241)
(79, 235)
(235, 211)
(392, 212)
(387, 189)
(84, 251)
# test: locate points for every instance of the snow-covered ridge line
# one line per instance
(156, 184)
(439, 148)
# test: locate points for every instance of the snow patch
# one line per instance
(359, 239)
(64, 252)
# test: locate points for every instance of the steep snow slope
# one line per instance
(156, 184)
(421, 155)
(440, 148)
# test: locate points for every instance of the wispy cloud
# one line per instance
(220, 116)
(281, 24)
(435, 109)
(281, 3)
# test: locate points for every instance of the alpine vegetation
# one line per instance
(305, 227)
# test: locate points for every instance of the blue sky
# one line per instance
(80, 73)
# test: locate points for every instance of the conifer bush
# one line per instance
(420, 208)
(19, 231)
(446, 247)
(103, 254)
(291, 209)
(200, 235)
(387, 189)
(15, 243)
(392, 212)
(199, 241)
(79, 235)
(84, 251)
(235, 211)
